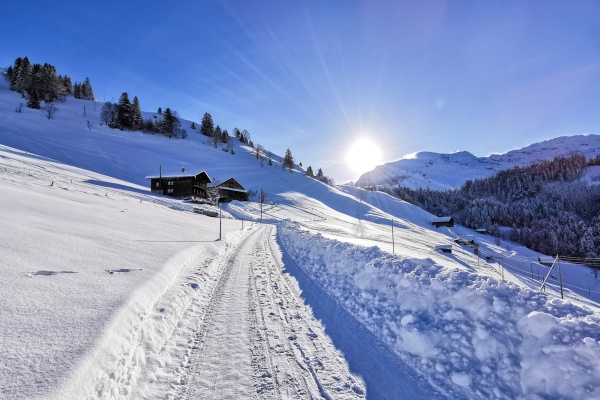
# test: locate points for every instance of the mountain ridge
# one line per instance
(451, 170)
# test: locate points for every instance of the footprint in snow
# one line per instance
(48, 273)
(112, 271)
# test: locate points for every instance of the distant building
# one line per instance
(231, 190)
(180, 185)
(481, 230)
(442, 221)
(444, 248)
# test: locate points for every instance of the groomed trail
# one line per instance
(257, 339)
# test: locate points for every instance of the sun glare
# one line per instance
(363, 156)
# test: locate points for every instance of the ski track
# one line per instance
(257, 339)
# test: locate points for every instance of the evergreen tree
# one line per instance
(23, 76)
(207, 127)
(160, 110)
(77, 90)
(86, 90)
(225, 136)
(15, 73)
(216, 137)
(136, 114)
(309, 172)
(170, 124)
(193, 125)
(288, 161)
(320, 174)
(124, 112)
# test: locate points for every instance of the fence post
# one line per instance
(560, 279)
(393, 245)
(502, 265)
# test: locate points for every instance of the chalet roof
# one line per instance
(441, 219)
(443, 246)
(179, 175)
(220, 186)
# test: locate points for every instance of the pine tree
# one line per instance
(86, 90)
(320, 174)
(288, 161)
(270, 162)
(77, 90)
(193, 125)
(225, 136)
(309, 172)
(136, 114)
(23, 76)
(15, 73)
(207, 127)
(124, 111)
(160, 110)
(170, 124)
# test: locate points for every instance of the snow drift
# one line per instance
(469, 335)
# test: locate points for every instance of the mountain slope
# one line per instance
(443, 171)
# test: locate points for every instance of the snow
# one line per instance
(443, 171)
(471, 336)
(109, 290)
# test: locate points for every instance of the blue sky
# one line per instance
(315, 76)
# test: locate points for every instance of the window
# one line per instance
(157, 184)
(169, 190)
(170, 183)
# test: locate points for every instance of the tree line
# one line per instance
(546, 205)
(37, 82)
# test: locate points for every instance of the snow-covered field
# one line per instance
(109, 291)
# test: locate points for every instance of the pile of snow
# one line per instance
(469, 335)
(443, 171)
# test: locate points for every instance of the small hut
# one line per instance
(442, 221)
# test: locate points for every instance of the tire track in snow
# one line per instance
(258, 339)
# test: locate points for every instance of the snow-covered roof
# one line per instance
(178, 175)
(231, 189)
(441, 219)
(443, 246)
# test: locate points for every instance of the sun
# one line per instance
(363, 156)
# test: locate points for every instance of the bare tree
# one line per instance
(49, 110)
(19, 108)
(259, 153)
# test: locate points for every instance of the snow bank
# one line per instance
(468, 335)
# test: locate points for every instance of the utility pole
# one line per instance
(220, 218)
(261, 199)
(502, 265)
(242, 223)
(543, 287)
(393, 245)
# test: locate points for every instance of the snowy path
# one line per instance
(256, 339)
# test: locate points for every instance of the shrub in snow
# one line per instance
(469, 335)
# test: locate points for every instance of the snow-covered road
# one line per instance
(257, 339)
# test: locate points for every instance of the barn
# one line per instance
(189, 186)
(231, 190)
(442, 221)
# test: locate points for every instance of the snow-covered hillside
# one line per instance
(443, 171)
(110, 291)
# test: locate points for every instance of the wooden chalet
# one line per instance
(190, 186)
(231, 190)
(442, 221)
